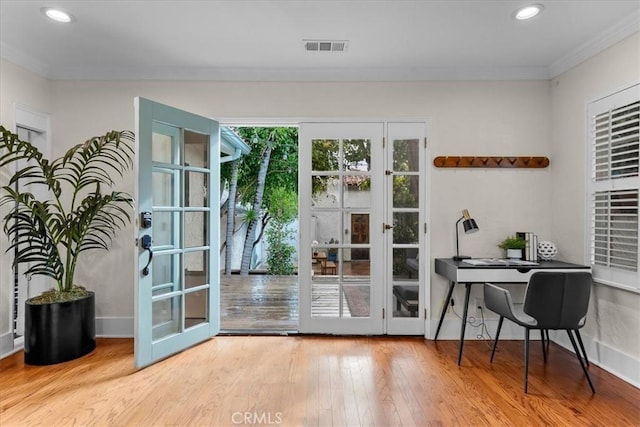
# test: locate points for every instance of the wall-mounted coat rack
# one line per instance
(490, 162)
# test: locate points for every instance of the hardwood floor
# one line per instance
(315, 381)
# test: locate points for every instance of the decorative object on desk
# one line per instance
(470, 226)
(490, 162)
(514, 246)
(547, 250)
(314, 245)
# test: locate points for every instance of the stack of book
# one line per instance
(530, 252)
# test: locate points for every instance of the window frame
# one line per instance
(611, 276)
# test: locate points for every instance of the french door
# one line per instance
(362, 228)
(177, 280)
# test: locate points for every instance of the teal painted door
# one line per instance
(177, 279)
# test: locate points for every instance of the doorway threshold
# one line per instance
(249, 332)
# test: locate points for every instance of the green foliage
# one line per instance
(513, 242)
(280, 252)
(283, 205)
(78, 215)
(283, 164)
(284, 209)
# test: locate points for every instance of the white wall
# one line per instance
(613, 324)
(17, 86)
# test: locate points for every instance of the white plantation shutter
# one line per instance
(613, 187)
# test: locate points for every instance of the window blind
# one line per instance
(614, 187)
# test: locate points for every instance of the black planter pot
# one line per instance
(59, 332)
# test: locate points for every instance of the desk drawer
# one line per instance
(504, 275)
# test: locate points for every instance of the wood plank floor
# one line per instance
(315, 381)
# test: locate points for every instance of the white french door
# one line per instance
(177, 280)
(406, 210)
(362, 228)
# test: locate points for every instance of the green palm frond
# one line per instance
(50, 234)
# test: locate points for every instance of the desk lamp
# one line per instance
(470, 226)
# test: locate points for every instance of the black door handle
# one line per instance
(146, 245)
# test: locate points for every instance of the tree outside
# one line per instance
(266, 183)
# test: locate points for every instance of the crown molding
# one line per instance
(623, 29)
(303, 74)
(24, 60)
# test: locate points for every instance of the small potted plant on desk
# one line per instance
(514, 246)
(48, 233)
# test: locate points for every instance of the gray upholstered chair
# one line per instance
(553, 300)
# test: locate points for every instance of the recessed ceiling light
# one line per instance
(528, 12)
(57, 14)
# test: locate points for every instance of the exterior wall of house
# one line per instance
(22, 87)
(613, 325)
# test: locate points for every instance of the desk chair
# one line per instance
(553, 300)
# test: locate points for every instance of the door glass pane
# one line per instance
(356, 264)
(356, 190)
(406, 227)
(324, 262)
(166, 317)
(326, 191)
(195, 229)
(405, 264)
(196, 149)
(164, 184)
(196, 267)
(195, 305)
(406, 191)
(196, 189)
(406, 155)
(162, 148)
(325, 155)
(358, 301)
(406, 270)
(357, 154)
(327, 228)
(325, 300)
(405, 299)
(164, 229)
(164, 272)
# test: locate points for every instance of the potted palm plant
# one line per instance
(79, 213)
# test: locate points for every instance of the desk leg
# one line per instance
(444, 307)
(464, 320)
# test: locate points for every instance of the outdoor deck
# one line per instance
(258, 302)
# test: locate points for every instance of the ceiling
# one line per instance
(264, 40)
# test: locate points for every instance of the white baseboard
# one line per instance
(7, 345)
(622, 365)
(114, 327)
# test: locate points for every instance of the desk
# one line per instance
(326, 266)
(461, 272)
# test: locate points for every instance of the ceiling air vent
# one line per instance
(325, 45)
